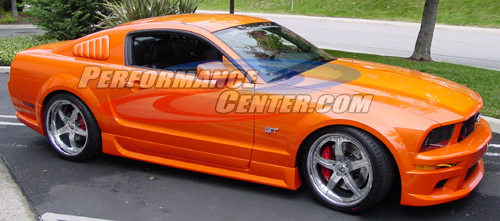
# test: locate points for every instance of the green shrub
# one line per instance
(129, 10)
(66, 19)
(12, 45)
(8, 19)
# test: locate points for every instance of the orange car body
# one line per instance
(137, 124)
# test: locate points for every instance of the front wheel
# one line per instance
(346, 168)
(71, 128)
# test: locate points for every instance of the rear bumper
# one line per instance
(430, 187)
(31, 123)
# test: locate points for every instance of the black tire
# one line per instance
(352, 181)
(72, 128)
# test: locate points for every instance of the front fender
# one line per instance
(399, 130)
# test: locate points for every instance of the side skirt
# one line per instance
(262, 173)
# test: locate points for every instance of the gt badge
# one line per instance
(270, 130)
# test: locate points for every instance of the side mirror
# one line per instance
(217, 70)
(212, 70)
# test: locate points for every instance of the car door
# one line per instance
(172, 113)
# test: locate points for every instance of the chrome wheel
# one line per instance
(339, 169)
(66, 127)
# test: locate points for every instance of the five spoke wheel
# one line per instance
(340, 169)
(66, 127)
(70, 126)
(346, 169)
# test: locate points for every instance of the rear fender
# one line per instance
(64, 83)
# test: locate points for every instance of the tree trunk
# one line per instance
(422, 50)
(231, 6)
(14, 7)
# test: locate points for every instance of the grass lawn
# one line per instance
(484, 81)
(482, 13)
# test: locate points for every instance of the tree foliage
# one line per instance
(66, 19)
(129, 10)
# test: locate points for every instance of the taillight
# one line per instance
(437, 138)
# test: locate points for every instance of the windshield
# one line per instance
(276, 52)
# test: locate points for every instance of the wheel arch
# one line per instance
(386, 182)
(393, 156)
(90, 131)
(64, 83)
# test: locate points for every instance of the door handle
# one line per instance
(136, 86)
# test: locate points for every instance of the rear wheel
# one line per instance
(346, 168)
(71, 128)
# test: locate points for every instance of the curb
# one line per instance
(362, 21)
(13, 203)
(494, 123)
(4, 69)
(12, 27)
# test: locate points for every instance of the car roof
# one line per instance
(210, 22)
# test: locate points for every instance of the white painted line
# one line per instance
(8, 116)
(494, 145)
(492, 154)
(11, 124)
(58, 217)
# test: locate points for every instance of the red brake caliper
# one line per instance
(82, 123)
(327, 173)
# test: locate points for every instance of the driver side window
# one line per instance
(170, 51)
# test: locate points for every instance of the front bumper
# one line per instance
(430, 187)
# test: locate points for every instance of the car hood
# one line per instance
(434, 97)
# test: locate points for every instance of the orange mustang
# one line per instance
(245, 98)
